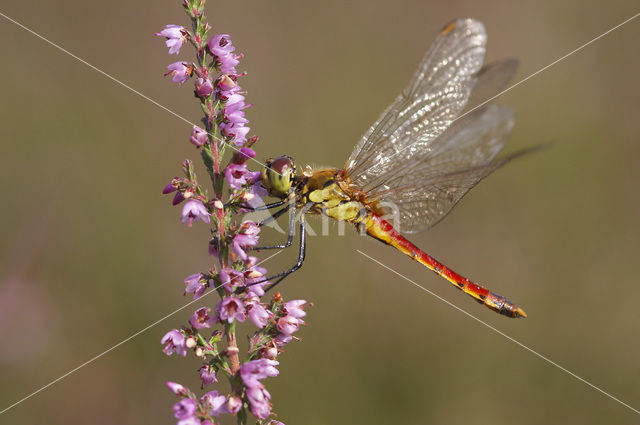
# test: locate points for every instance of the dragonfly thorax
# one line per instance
(278, 175)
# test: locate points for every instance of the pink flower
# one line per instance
(283, 339)
(175, 35)
(259, 315)
(288, 324)
(216, 403)
(207, 375)
(236, 175)
(175, 343)
(204, 87)
(247, 236)
(259, 401)
(189, 421)
(236, 132)
(177, 389)
(169, 188)
(231, 279)
(194, 210)
(234, 404)
(185, 408)
(220, 46)
(295, 308)
(201, 319)
(197, 284)
(252, 372)
(179, 72)
(230, 309)
(198, 136)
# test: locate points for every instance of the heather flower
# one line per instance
(169, 188)
(175, 35)
(283, 339)
(197, 284)
(220, 46)
(207, 375)
(295, 308)
(204, 86)
(242, 156)
(231, 279)
(179, 72)
(201, 319)
(189, 421)
(234, 404)
(227, 85)
(230, 309)
(252, 372)
(288, 324)
(179, 197)
(175, 342)
(184, 409)
(259, 315)
(247, 236)
(198, 136)
(236, 132)
(177, 389)
(259, 397)
(194, 210)
(237, 175)
(234, 102)
(254, 274)
(215, 403)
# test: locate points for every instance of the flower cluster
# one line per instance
(237, 278)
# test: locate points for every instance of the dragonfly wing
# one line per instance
(491, 79)
(434, 97)
(422, 193)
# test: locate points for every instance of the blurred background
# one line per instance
(90, 252)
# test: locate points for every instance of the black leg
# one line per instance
(292, 219)
(298, 264)
(275, 215)
(266, 206)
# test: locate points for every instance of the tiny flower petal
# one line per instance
(175, 343)
(252, 372)
(204, 87)
(198, 136)
(259, 315)
(216, 403)
(295, 308)
(179, 72)
(197, 284)
(288, 324)
(184, 409)
(201, 319)
(194, 210)
(176, 388)
(207, 375)
(259, 397)
(175, 35)
(230, 309)
(234, 404)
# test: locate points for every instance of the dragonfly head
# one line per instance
(278, 175)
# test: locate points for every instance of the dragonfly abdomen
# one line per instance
(382, 230)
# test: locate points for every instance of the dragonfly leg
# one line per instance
(292, 218)
(296, 266)
(265, 206)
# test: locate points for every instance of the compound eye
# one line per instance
(282, 165)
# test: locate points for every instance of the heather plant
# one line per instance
(210, 333)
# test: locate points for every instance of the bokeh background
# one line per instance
(90, 252)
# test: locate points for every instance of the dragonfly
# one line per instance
(436, 141)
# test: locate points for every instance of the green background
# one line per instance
(90, 252)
